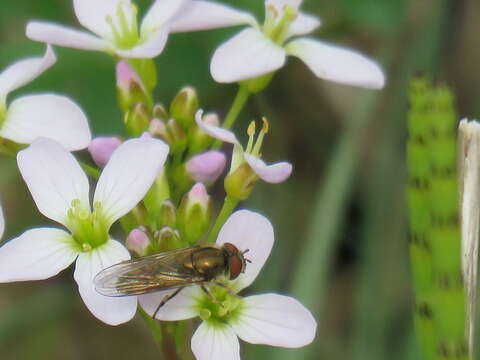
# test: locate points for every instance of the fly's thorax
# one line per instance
(209, 262)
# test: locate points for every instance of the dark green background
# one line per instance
(340, 220)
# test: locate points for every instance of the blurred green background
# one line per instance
(341, 244)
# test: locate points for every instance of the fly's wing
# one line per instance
(152, 273)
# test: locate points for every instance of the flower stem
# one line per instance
(237, 106)
(153, 326)
(229, 205)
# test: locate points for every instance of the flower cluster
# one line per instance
(156, 181)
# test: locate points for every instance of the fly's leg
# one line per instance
(210, 296)
(165, 300)
(226, 287)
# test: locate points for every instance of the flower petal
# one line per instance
(303, 24)
(53, 177)
(215, 131)
(151, 47)
(215, 342)
(2, 222)
(161, 12)
(275, 320)
(205, 15)
(36, 254)
(247, 55)
(180, 307)
(273, 174)
(248, 230)
(52, 116)
(128, 175)
(93, 14)
(110, 310)
(64, 36)
(337, 64)
(24, 71)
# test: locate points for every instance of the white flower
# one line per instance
(60, 189)
(45, 115)
(274, 173)
(270, 319)
(115, 29)
(262, 49)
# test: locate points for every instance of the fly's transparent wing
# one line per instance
(167, 270)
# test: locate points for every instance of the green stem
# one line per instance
(90, 170)
(228, 206)
(237, 106)
(153, 326)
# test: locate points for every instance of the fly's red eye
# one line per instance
(236, 266)
(236, 261)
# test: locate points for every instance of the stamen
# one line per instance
(261, 135)
(251, 133)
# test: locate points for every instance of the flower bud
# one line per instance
(199, 140)
(138, 242)
(130, 88)
(168, 214)
(206, 167)
(155, 197)
(194, 213)
(137, 120)
(102, 148)
(184, 106)
(158, 128)
(239, 183)
(176, 137)
(159, 112)
(168, 239)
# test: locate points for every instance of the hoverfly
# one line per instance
(176, 269)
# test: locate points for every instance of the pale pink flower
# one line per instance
(269, 319)
(44, 115)
(60, 190)
(263, 49)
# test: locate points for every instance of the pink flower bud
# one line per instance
(206, 167)
(198, 195)
(157, 128)
(126, 76)
(137, 242)
(102, 148)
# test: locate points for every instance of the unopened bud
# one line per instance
(194, 213)
(159, 112)
(158, 128)
(137, 120)
(168, 239)
(138, 242)
(176, 137)
(206, 167)
(199, 140)
(130, 88)
(102, 148)
(239, 183)
(168, 214)
(184, 106)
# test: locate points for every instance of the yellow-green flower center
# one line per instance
(224, 308)
(277, 23)
(124, 26)
(89, 228)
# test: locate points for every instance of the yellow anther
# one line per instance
(251, 129)
(265, 126)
